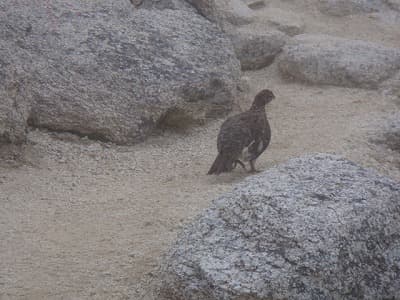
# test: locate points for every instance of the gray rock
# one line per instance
(105, 70)
(245, 84)
(387, 17)
(387, 133)
(163, 4)
(255, 4)
(394, 4)
(392, 86)
(14, 102)
(223, 12)
(285, 21)
(316, 227)
(350, 7)
(330, 60)
(256, 50)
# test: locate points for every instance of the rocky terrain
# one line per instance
(86, 211)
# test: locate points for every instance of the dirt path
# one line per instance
(86, 220)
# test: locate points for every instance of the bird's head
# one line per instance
(262, 98)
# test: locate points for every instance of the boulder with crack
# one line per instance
(316, 227)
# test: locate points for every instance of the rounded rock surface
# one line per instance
(323, 59)
(111, 72)
(316, 227)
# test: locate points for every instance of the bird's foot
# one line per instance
(252, 168)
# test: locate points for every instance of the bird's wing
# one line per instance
(234, 135)
(261, 141)
(255, 148)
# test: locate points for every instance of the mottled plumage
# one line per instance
(244, 136)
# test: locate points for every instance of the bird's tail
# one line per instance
(221, 164)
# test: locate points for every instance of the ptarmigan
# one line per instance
(244, 136)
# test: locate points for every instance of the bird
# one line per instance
(244, 136)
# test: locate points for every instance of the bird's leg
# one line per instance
(252, 168)
(240, 163)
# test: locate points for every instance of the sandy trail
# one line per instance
(87, 220)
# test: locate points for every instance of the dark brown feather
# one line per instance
(248, 130)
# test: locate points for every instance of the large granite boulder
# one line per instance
(324, 59)
(225, 13)
(112, 72)
(256, 50)
(316, 227)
